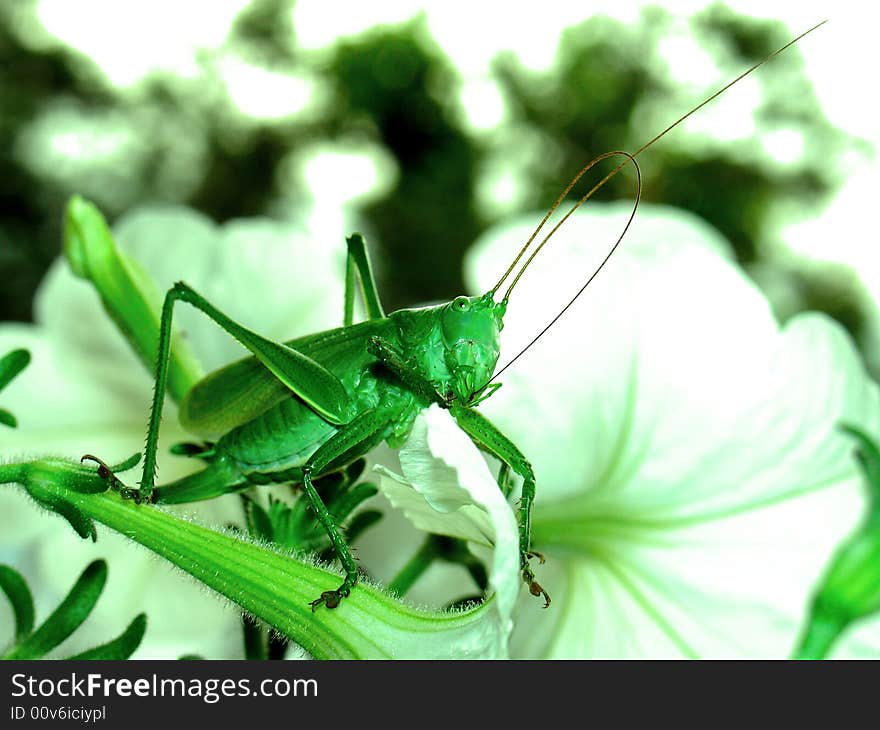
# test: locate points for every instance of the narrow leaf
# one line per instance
(361, 522)
(7, 419)
(65, 619)
(355, 470)
(82, 525)
(123, 646)
(189, 449)
(130, 463)
(344, 504)
(258, 523)
(12, 364)
(14, 586)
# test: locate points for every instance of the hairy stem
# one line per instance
(269, 584)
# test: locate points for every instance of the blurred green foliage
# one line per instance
(392, 87)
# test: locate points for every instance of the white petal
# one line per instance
(671, 410)
(668, 318)
(85, 392)
(277, 281)
(737, 587)
(467, 521)
(268, 275)
(444, 470)
(680, 391)
(63, 413)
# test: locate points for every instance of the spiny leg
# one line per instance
(309, 380)
(360, 435)
(357, 266)
(487, 436)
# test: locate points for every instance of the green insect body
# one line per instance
(298, 410)
(335, 395)
(266, 434)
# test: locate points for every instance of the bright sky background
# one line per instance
(136, 37)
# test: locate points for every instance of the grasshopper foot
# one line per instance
(116, 484)
(535, 588)
(331, 599)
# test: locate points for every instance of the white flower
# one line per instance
(691, 479)
(446, 488)
(85, 392)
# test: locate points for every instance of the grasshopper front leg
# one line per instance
(357, 437)
(487, 436)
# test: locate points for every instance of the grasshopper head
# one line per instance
(470, 327)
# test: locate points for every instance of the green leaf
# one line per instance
(361, 522)
(12, 364)
(258, 523)
(69, 615)
(130, 463)
(14, 586)
(355, 470)
(82, 525)
(292, 526)
(123, 646)
(849, 590)
(191, 450)
(344, 504)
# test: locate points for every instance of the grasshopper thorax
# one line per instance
(451, 348)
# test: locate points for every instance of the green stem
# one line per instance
(12, 473)
(818, 638)
(274, 586)
(414, 568)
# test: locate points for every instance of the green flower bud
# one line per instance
(129, 295)
(850, 588)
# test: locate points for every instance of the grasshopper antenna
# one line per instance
(632, 215)
(601, 183)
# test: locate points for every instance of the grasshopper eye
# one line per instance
(461, 304)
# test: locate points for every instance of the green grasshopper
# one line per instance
(299, 410)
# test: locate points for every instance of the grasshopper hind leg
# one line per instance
(219, 477)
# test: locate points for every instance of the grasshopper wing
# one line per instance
(229, 397)
(242, 390)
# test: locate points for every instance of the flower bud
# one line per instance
(850, 588)
(129, 295)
